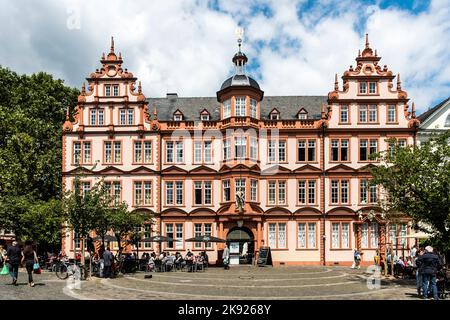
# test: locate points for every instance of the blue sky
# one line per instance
(295, 47)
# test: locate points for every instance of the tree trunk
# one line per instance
(83, 260)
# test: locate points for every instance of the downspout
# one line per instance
(323, 191)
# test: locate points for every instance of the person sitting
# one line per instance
(399, 267)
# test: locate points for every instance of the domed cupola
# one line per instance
(240, 80)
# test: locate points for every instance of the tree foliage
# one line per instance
(32, 110)
(417, 181)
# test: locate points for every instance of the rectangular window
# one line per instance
(363, 191)
(272, 192)
(373, 147)
(76, 152)
(281, 151)
(372, 87)
(302, 192)
(282, 235)
(344, 114)
(240, 184)
(272, 235)
(363, 152)
(240, 107)
(301, 240)
(334, 150)
(93, 117)
(311, 192)
(208, 232)
(311, 150)
(179, 192)
(345, 235)
(272, 151)
(373, 113)
(226, 149)
(226, 190)
(335, 235)
(169, 233)
(344, 191)
(403, 233)
(179, 236)
(100, 117)
(281, 192)
(253, 148)
(208, 151)
(393, 234)
(197, 151)
(169, 151)
(392, 114)
(362, 114)
(306, 150)
(374, 235)
(147, 151)
(147, 234)
(227, 109)
(198, 193)
(373, 194)
(138, 193)
(107, 152)
(344, 150)
(240, 147)
(116, 90)
(117, 152)
(86, 152)
(208, 192)
(169, 193)
(312, 235)
(253, 190)
(86, 186)
(197, 233)
(122, 117)
(137, 151)
(335, 191)
(362, 87)
(147, 193)
(179, 151)
(365, 235)
(130, 117)
(253, 104)
(107, 91)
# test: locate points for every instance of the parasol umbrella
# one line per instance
(205, 238)
(417, 235)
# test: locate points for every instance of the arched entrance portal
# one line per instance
(241, 243)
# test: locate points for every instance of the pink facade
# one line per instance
(303, 162)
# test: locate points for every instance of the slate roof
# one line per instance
(239, 79)
(288, 106)
(424, 116)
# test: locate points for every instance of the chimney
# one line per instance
(172, 96)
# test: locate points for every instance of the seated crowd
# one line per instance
(167, 261)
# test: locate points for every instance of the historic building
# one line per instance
(289, 172)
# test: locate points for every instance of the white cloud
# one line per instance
(186, 46)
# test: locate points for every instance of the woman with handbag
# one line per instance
(31, 262)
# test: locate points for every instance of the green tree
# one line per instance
(32, 110)
(417, 181)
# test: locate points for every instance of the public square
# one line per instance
(241, 282)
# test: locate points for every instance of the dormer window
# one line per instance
(302, 114)
(177, 116)
(274, 115)
(204, 115)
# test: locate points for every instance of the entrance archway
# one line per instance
(240, 241)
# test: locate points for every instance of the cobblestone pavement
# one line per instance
(215, 283)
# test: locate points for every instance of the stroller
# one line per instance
(442, 283)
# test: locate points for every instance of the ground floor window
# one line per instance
(202, 229)
(174, 231)
(340, 235)
(307, 235)
(277, 235)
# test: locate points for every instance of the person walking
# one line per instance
(29, 258)
(14, 255)
(226, 258)
(107, 262)
(419, 280)
(429, 266)
(356, 259)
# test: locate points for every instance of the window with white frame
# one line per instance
(226, 190)
(339, 191)
(226, 149)
(277, 150)
(374, 235)
(115, 90)
(340, 235)
(227, 109)
(107, 90)
(204, 117)
(373, 113)
(253, 148)
(372, 87)
(93, 117)
(239, 185)
(362, 113)
(253, 190)
(307, 235)
(277, 235)
(276, 192)
(174, 151)
(339, 149)
(147, 234)
(306, 150)
(112, 152)
(392, 114)
(365, 235)
(367, 147)
(240, 144)
(362, 87)
(202, 192)
(240, 107)
(253, 108)
(343, 118)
